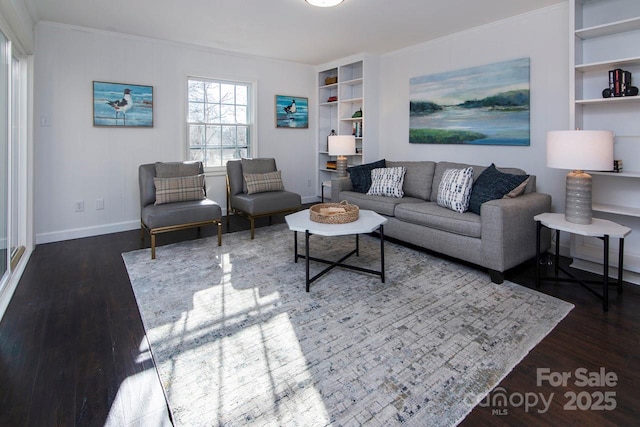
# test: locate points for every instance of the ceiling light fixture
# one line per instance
(324, 3)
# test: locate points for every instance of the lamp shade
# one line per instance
(342, 145)
(580, 149)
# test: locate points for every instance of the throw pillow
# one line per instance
(493, 184)
(387, 182)
(263, 182)
(361, 175)
(179, 189)
(256, 166)
(516, 191)
(175, 169)
(455, 188)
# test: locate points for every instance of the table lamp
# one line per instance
(579, 150)
(341, 146)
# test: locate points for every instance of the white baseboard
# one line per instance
(78, 233)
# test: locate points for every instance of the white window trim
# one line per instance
(253, 111)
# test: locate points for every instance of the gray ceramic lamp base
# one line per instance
(578, 198)
(341, 166)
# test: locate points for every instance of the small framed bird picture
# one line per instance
(292, 112)
(122, 105)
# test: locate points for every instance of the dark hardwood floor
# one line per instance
(73, 350)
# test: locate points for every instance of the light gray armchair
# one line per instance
(175, 200)
(263, 195)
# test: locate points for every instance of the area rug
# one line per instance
(237, 341)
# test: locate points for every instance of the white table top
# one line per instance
(598, 228)
(367, 222)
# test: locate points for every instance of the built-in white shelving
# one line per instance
(605, 35)
(355, 90)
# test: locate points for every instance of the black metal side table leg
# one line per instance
(295, 246)
(382, 252)
(620, 264)
(306, 253)
(605, 279)
(538, 228)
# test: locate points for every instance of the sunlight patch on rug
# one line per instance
(237, 340)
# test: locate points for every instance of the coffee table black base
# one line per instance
(339, 262)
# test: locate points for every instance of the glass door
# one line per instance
(4, 153)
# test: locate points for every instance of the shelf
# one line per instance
(332, 85)
(607, 65)
(618, 210)
(328, 104)
(352, 119)
(616, 174)
(352, 82)
(327, 153)
(351, 101)
(613, 100)
(611, 28)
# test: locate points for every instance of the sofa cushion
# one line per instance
(380, 204)
(361, 175)
(179, 189)
(418, 178)
(493, 184)
(387, 182)
(429, 214)
(455, 188)
(263, 182)
(260, 203)
(155, 216)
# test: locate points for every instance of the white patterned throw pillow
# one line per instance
(455, 189)
(387, 182)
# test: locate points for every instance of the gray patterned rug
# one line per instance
(237, 341)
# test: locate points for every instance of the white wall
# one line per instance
(76, 161)
(541, 36)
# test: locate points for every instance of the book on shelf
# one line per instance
(619, 84)
(356, 129)
(331, 164)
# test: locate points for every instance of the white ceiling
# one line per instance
(286, 29)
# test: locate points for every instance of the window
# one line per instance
(219, 121)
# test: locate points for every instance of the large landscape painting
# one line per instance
(484, 105)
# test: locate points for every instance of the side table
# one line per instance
(600, 228)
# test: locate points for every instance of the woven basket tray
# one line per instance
(351, 213)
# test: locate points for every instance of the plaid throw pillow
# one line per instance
(179, 189)
(263, 182)
(455, 189)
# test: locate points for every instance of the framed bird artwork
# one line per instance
(292, 112)
(122, 105)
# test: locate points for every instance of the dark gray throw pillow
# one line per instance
(361, 175)
(491, 185)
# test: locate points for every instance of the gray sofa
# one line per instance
(501, 237)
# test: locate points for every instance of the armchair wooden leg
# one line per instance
(153, 246)
(219, 233)
(141, 237)
(253, 226)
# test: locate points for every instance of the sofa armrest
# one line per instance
(509, 231)
(338, 185)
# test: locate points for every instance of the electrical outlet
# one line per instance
(99, 204)
(79, 206)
